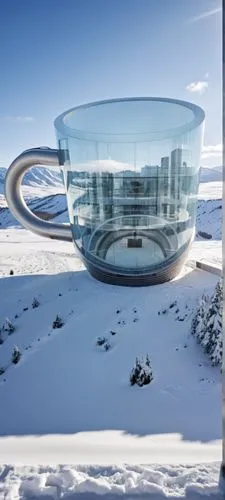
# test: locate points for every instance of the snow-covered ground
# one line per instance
(68, 401)
(113, 483)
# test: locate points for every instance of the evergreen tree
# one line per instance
(201, 325)
(213, 339)
(58, 323)
(8, 326)
(107, 346)
(35, 303)
(207, 324)
(141, 374)
(100, 341)
(16, 355)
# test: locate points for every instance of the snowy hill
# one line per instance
(36, 176)
(48, 207)
(105, 399)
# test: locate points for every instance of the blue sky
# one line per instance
(56, 54)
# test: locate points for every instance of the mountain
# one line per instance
(37, 176)
(47, 207)
(211, 174)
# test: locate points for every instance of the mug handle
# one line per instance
(15, 199)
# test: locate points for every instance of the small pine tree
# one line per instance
(107, 346)
(212, 342)
(58, 323)
(198, 326)
(8, 326)
(141, 374)
(35, 303)
(16, 355)
(135, 372)
(147, 362)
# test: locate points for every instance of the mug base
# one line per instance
(154, 278)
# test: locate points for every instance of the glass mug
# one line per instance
(131, 174)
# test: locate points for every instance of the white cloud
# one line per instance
(18, 119)
(199, 87)
(210, 151)
(204, 15)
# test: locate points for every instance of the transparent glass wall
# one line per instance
(131, 170)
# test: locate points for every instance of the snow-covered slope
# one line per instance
(36, 176)
(55, 359)
(47, 207)
(209, 219)
(76, 398)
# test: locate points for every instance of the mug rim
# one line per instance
(67, 131)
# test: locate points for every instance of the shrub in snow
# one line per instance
(100, 341)
(103, 342)
(1, 339)
(173, 304)
(58, 323)
(207, 325)
(8, 326)
(141, 374)
(2, 370)
(35, 303)
(107, 346)
(16, 355)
